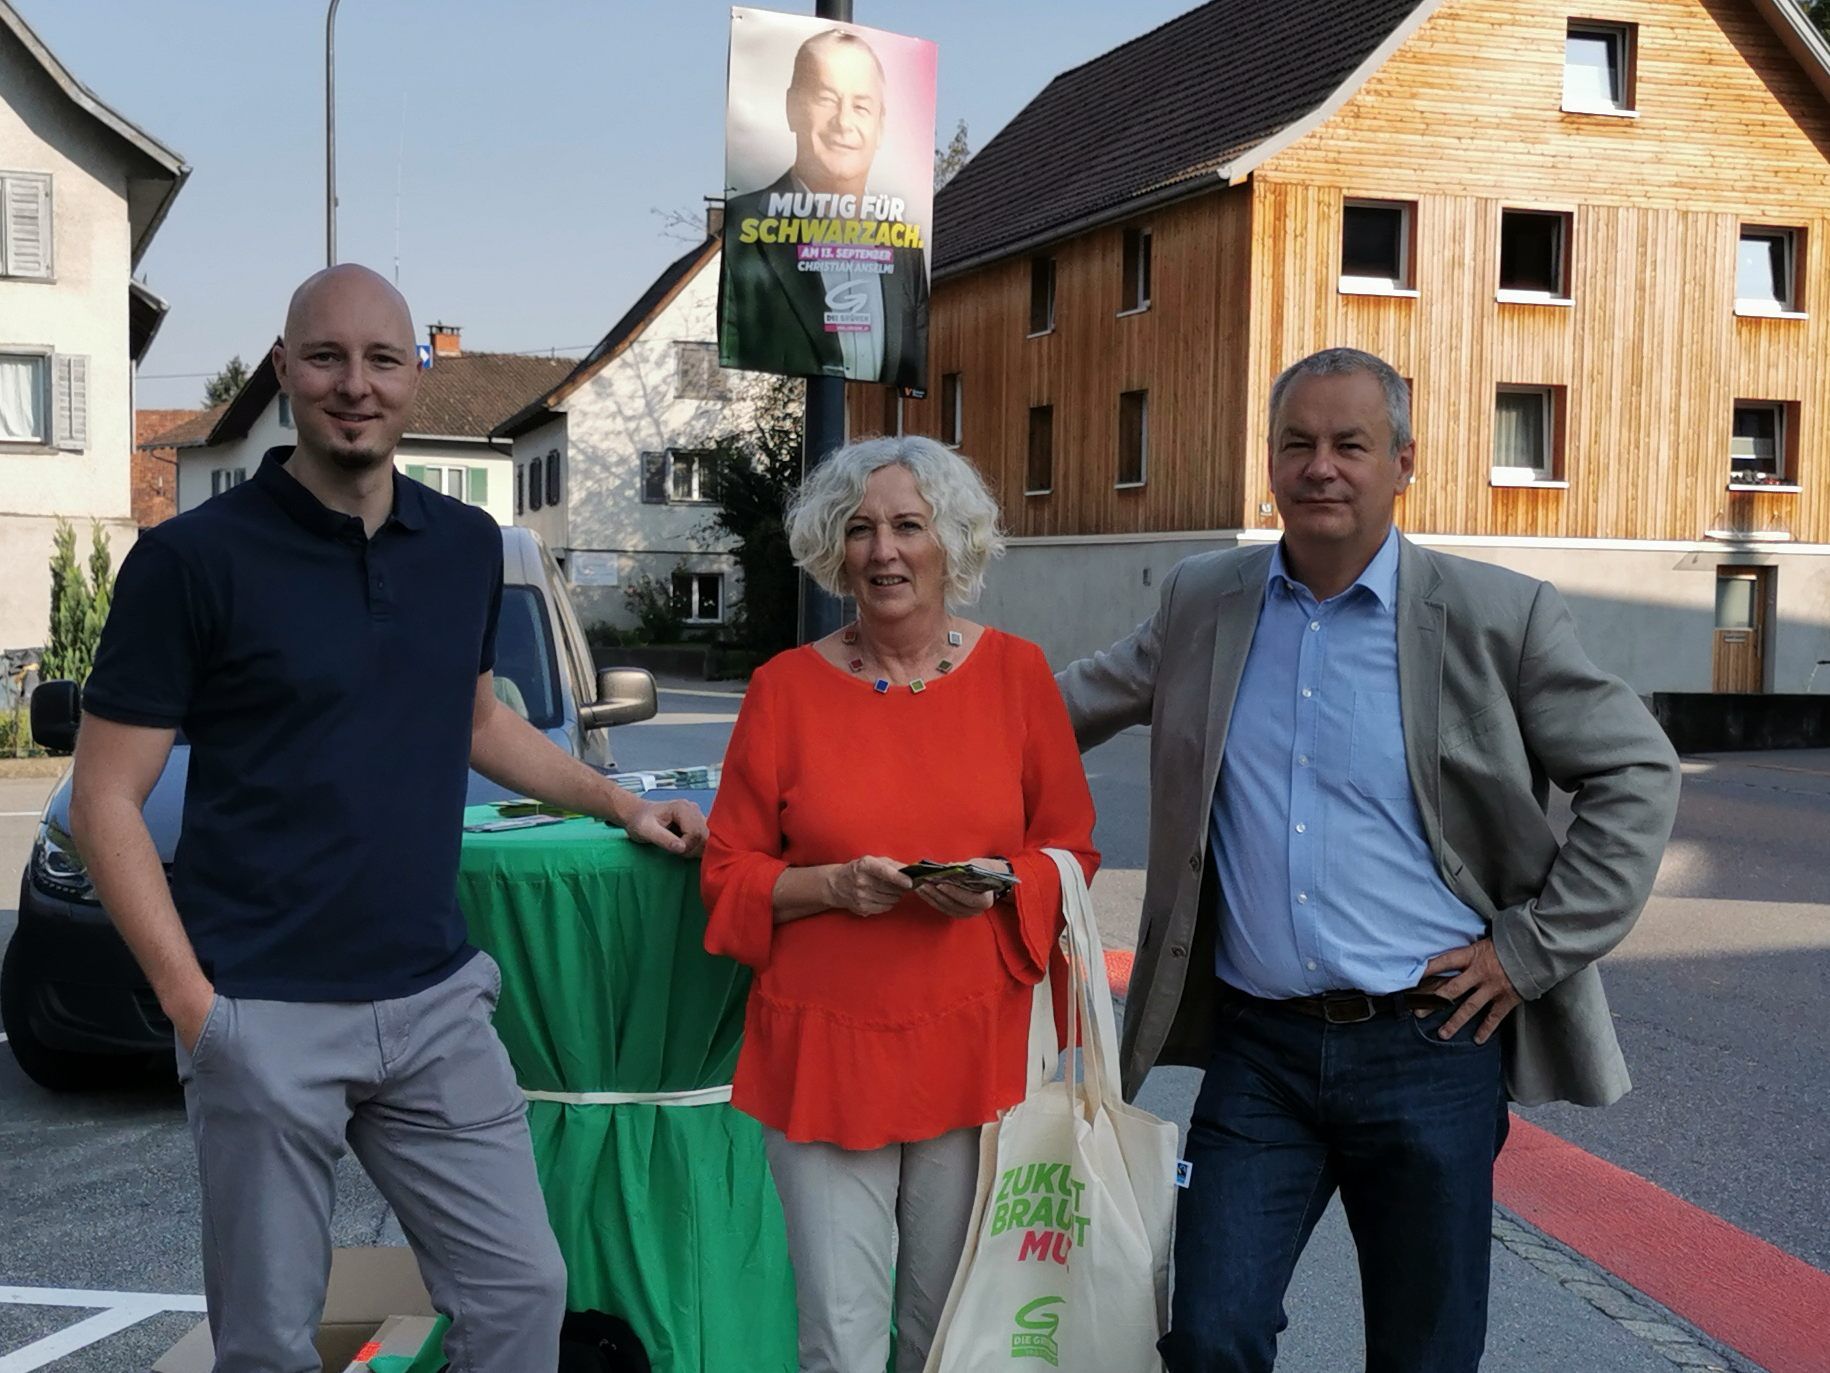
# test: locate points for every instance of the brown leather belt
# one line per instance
(1351, 1008)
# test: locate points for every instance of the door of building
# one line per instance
(1743, 599)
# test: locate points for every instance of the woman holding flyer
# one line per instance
(876, 855)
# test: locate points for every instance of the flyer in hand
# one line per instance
(967, 875)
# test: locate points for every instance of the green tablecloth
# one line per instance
(666, 1214)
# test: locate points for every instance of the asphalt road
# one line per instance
(1718, 994)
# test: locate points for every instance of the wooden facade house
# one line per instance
(1594, 235)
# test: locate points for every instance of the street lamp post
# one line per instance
(330, 134)
(822, 431)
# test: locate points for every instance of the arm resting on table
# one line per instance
(511, 753)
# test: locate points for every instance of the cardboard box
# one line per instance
(368, 1287)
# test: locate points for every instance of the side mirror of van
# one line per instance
(625, 695)
(56, 709)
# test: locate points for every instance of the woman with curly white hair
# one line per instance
(889, 1020)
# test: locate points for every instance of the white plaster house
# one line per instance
(447, 444)
(612, 464)
(82, 192)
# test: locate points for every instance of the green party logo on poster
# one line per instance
(1036, 1326)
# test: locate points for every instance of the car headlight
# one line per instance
(57, 870)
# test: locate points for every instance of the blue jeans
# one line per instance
(1406, 1126)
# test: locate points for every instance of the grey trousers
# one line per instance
(421, 1089)
(852, 1216)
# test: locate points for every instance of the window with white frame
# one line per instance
(1757, 445)
(1534, 255)
(1133, 437)
(44, 398)
(680, 477)
(447, 480)
(692, 476)
(1598, 63)
(25, 225)
(285, 410)
(1525, 436)
(1376, 237)
(952, 410)
(1766, 271)
(697, 375)
(1136, 284)
(222, 478)
(25, 398)
(699, 597)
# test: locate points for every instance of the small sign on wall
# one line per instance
(593, 569)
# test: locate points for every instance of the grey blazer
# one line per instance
(1499, 701)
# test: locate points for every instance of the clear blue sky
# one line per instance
(540, 137)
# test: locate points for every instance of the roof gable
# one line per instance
(1160, 114)
(649, 307)
(1192, 105)
(161, 173)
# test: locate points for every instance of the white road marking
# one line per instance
(118, 1311)
(78, 1296)
(17, 814)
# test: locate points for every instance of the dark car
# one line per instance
(76, 1010)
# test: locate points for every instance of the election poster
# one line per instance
(829, 198)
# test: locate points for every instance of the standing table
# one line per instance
(624, 1033)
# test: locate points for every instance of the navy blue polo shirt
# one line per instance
(325, 681)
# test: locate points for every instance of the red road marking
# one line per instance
(1754, 1298)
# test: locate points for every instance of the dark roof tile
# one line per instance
(1182, 100)
(190, 433)
(468, 395)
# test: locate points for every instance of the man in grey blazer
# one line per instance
(1357, 917)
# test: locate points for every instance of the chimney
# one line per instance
(444, 340)
(714, 216)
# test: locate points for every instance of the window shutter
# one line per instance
(534, 483)
(478, 486)
(552, 477)
(70, 405)
(417, 471)
(27, 215)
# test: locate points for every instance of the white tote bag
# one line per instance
(1067, 1260)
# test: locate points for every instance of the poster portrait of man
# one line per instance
(825, 262)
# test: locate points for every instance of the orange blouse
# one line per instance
(903, 1026)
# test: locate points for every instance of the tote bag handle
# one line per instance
(1092, 1023)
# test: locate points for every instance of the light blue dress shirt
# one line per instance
(1320, 852)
